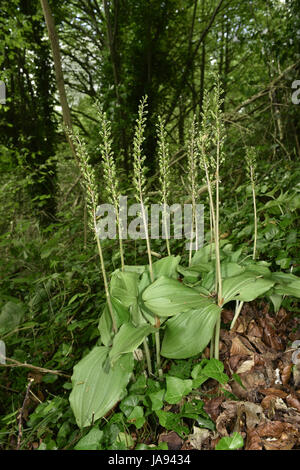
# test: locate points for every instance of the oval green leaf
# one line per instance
(128, 338)
(95, 391)
(189, 333)
(166, 297)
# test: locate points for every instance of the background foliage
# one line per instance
(116, 52)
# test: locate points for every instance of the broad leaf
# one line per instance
(167, 297)
(246, 286)
(284, 278)
(166, 267)
(189, 332)
(121, 315)
(95, 391)
(129, 403)
(292, 289)
(124, 287)
(229, 269)
(276, 300)
(177, 388)
(134, 269)
(91, 441)
(128, 338)
(258, 269)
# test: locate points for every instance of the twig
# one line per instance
(9, 389)
(20, 433)
(30, 366)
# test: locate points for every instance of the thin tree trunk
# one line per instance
(111, 40)
(53, 37)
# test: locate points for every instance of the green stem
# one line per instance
(167, 234)
(217, 337)
(217, 247)
(157, 320)
(120, 240)
(158, 363)
(255, 215)
(211, 348)
(147, 238)
(114, 325)
(148, 357)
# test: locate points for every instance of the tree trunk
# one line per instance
(58, 71)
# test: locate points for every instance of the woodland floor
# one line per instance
(266, 409)
(263, 405)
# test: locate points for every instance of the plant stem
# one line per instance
(120, 241)
(147, 237)
(148, 357)
(255, 214)
(158, 363)
(217, 246)
(114, 325)
(166, 232)
(217, 337)
(238, 309)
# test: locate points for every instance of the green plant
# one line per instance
(233, 442)
(212, 135)
(110, 175)
(148, 300)
(164, 174)
(139, 182)
(193, 187)
(251, 165)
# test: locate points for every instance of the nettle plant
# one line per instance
(177, 307)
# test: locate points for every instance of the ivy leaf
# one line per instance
(213, 369)
(157, 399)
(172, 422)
(91, 441)
(137, 417)
(230, 442)
(177, 388)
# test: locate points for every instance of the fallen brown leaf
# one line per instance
(226, 420)
(212, 407)
(296, 375)
(252, 382)
(234, 361)
(227, 316)
(254, 330)
(246, 366)
(276, 392)
(253, 441)
(239, 348)
(198, 437)
(241, 325)
(172, 439)
(293, 401)
(254, 414)
(286, 374)
(277, 435)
